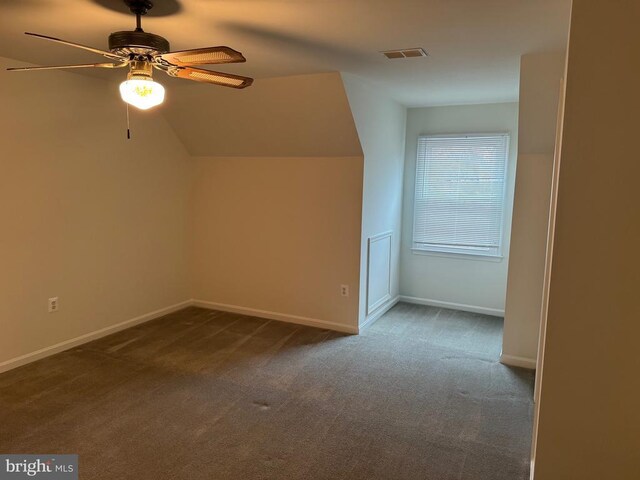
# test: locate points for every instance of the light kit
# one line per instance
(139, 89)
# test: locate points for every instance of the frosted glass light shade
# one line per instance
(142, 93)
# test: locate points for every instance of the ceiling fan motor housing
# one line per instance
(137, 43)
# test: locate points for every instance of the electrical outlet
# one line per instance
(344, 290)
(53, 304)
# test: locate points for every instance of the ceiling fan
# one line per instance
(143, 52)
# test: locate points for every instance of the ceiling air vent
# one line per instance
(406, 53)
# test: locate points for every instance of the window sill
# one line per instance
(459, 256)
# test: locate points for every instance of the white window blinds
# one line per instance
(459, 196)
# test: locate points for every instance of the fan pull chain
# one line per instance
(128, 130)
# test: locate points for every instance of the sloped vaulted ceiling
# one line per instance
(303, 116)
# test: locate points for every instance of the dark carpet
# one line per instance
(201, 394)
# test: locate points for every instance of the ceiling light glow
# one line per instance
(142, 93)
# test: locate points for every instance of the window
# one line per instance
(459, 197)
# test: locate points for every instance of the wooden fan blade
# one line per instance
(208, 76)
(203, 56)
(58, 67)
(104, 53)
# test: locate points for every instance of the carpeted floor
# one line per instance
(200, 394)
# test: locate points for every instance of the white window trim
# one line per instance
(444, 251)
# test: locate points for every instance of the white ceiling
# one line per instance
(474, 45)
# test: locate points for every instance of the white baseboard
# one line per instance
(283, 317)
(103, 332)
(453, 306)
(379, 312)
(522, 362)
(532, 469)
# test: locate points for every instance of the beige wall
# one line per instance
(118, 229)
(456, 281)
(86, 215)
(381, 123)
(540, 75)
(589, 420)
(279, 235)
(540, 78)
(277, 199)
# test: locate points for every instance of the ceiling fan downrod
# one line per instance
(139, 8)
(137, 42)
